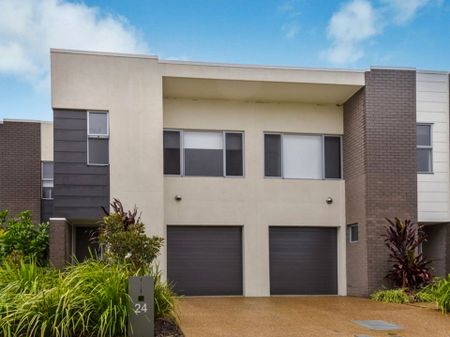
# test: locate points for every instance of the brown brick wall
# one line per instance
(60, 251)
(379, 168)
(355, 188)
(20, 167)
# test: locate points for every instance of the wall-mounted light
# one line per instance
(178, 197)
(329, 200)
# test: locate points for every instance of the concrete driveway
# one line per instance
(304, 316)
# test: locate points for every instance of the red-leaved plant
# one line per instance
(128, 217)
(410, 269)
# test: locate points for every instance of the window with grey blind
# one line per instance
(332, 150)
(424, 148)
(272, 155)
(234, 154)
(302, 156)
(203, 153)
(172, 158)
(98, 138)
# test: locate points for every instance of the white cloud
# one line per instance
(29, 28)
(349, 28)
(290, 29)
(357, 21)
(403, 11)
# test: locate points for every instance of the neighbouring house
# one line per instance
(262, 180)
(26, 167)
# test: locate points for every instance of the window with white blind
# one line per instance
(302, 156)
(203, 153)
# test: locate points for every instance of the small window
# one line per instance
(424, 149)
(353, 233)
(98, 151)
(172, 162)
(233, 154)
(98, 123)
(272, 155)
(332, 157)
(98, 138)
(47, 180)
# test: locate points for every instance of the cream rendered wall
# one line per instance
(256, 202)
(130, 88)
(46, 141)
(433, 107)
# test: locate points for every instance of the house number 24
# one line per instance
(140, 308)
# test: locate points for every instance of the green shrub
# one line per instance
(123, 237)
(438, 292)
(390, 296)
(87, 299)
(20, 237)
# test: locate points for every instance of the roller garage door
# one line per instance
(205, 260)
(303, 260)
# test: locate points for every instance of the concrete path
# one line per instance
(304, 317)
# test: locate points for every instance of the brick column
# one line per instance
(379, 169)
(60, 250)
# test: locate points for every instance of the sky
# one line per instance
(306, 33)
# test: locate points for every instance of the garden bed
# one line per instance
(167, 328)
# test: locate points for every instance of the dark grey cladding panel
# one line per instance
(69, 135)
(70, 146)
(80, 190)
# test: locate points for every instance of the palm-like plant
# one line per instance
(410, 269)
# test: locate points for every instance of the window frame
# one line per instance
(47, 179)
(97, 136)
(322, 136)
(426, 147)
(223, 132)
(350, 236)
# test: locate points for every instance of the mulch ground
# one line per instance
(167, 328)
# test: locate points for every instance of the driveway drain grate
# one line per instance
(378, 325)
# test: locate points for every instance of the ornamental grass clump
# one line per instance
(88, 299)
(438, 292)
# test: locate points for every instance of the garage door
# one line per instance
(205, 260)
(303, 260)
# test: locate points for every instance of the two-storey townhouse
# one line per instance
(262, 180)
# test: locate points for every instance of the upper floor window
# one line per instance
(302, 156)
(98, 138)
(47, 179)
(203, 153)
(424, 149)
